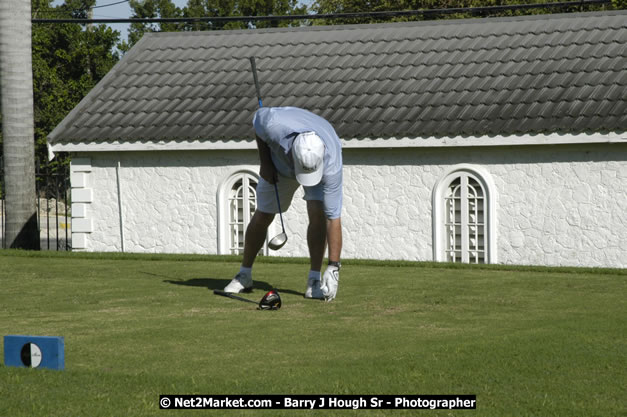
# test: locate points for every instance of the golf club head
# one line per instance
(278, 241)
(270, 301)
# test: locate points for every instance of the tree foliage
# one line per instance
(68, 60)
(353, 6)
(151, 9)
(209, 8)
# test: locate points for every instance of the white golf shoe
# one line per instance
(313, 289)
(330, 282)
(241, 283)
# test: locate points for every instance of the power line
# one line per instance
(78, 10)
(379, 15)
(110, 4)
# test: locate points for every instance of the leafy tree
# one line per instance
(209, 8)
(242, 8)
(353, 6)
(68, 61)
(151, 9)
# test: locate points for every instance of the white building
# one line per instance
(481, 140)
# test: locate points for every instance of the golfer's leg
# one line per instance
(266, 208)
(334, 237)
(255, 236)
(316, 233)
(331, 277)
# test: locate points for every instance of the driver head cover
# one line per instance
(308, 153)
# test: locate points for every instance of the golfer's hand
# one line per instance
(268, 173)
(329, 283)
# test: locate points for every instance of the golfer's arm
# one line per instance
(264, 154)
(334, 239)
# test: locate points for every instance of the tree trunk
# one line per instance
(16, 90)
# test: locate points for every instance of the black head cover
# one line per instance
(270, 301)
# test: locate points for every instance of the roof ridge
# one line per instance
(434, 22)
(479, 35)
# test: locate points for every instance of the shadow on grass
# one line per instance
(219, 283)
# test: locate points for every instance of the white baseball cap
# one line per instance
(308, 153)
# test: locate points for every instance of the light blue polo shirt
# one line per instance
(279, 126)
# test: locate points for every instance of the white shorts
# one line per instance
(329, 191)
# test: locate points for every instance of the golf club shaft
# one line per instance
(278, 201)
(254, 66)
(235, 297)
(276, 188)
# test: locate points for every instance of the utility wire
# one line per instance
(110, 4)
(79, 10)
(380, 15)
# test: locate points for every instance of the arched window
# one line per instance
(464, 217)
(237, 201)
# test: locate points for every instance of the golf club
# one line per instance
(279, 240)
(270, 301)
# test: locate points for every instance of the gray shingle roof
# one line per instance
(563, 73)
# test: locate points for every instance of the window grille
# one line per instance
(242, 202)
(463, 220)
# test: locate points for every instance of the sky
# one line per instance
(123, 11)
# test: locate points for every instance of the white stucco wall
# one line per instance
(556, 205)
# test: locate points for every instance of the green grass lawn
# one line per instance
(525, 341)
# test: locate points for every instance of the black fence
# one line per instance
(53, 206)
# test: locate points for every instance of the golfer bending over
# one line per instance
(296, 148)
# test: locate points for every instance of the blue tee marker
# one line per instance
(34, 351)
